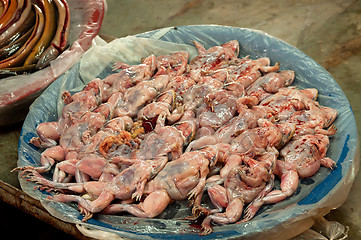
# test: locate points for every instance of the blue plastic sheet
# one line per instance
(315, 196)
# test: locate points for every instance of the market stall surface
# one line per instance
(327, 31)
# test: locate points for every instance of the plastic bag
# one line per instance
(315, 196)
(18, 92)
(324, 230)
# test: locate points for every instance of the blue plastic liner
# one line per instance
(315, 196)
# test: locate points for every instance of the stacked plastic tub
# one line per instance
(316, 196)
(18, 92)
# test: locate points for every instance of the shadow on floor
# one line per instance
(20, 225)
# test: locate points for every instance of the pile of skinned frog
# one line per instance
(171, 128)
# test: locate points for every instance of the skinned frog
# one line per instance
(302, 158)
(173, 64)
(244, 183)
(266, 85)
(180, 179)
(87, 162)
(246, 71)
(164, 108)
(76, 106)
(129, 76)
(136, 97)
(188, 172)
(195, 98)
(76, 144)
(128, 184)
(263, 138)
(314, 121)
(221, 108)
(215, 57)
(70, 142)
(247, 179)
(289, 100)
(163, 141)
(247, 119)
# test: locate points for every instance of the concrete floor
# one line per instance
(328, 31)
